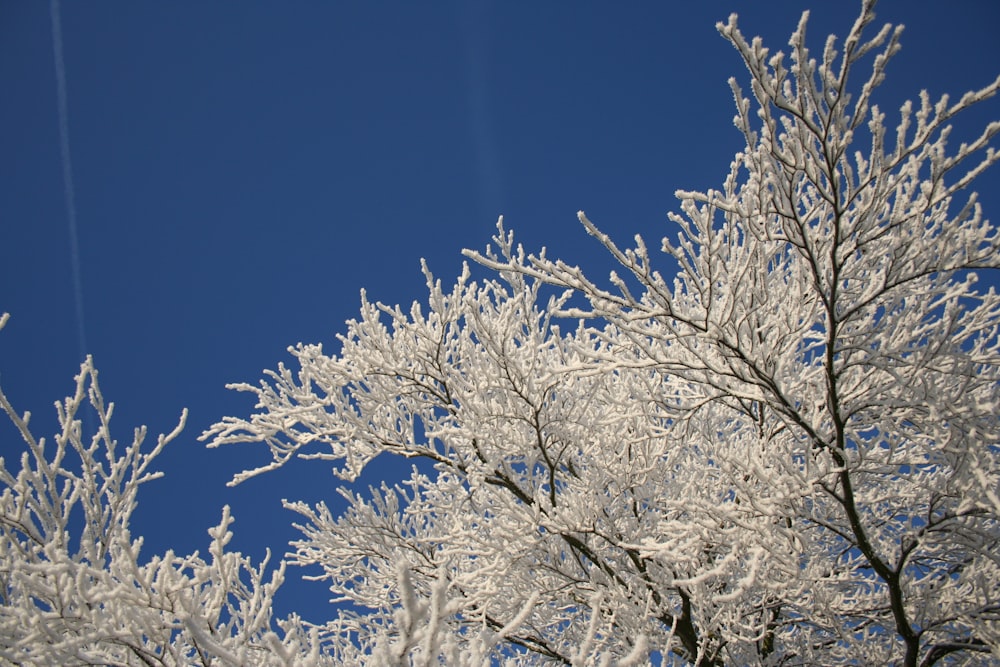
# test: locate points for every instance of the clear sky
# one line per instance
(242, 170)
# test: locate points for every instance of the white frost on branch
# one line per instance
(780, 447)
(74, 587)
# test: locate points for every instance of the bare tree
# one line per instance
(787, 453)
(74, 588)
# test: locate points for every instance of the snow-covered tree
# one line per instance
(785, 454)
(74, 587)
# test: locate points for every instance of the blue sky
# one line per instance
(242, 170)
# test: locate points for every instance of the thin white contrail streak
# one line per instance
(67, 169)
(475, 24)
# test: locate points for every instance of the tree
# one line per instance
(789, 454)
(74, 588)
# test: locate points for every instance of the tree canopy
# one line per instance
(777, 444)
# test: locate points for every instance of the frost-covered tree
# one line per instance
(787, 453)
(74, 587)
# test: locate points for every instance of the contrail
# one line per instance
(474, 20)
(67, 169)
